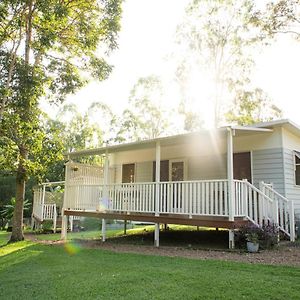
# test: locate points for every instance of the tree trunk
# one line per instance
(17, 223)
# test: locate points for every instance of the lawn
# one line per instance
(34, 271)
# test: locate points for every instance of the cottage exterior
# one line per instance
(219, 178)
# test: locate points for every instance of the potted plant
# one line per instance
(249, 235)
(252, 239)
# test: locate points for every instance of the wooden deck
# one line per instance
(203, 221)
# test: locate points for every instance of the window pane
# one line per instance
(128, 173)
(297, 175)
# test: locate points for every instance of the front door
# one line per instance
(242, 166)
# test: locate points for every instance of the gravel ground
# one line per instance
(285, 254)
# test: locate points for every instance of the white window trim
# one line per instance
(296, 153)
(185, 169)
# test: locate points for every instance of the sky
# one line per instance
(145, 44)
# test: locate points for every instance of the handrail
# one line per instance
(285, 211)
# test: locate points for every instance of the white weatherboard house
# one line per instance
(221, 178)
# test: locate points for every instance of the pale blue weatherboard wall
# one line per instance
(292, 191)
(268, 166)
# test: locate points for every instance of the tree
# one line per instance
(252, 106)
(216, 38)
(146, 117)
(279, 17)
(47, 48)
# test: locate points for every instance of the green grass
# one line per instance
(49, 272)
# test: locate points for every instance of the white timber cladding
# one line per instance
(268, 166)
(258, 141)
(207, 167)
(83, 174)
(291, 143)
(292, 192)
(204, 159)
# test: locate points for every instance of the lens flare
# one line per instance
(72, 247)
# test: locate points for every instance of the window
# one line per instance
(128, 173)
(297, 167)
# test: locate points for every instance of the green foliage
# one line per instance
(47, 48)
(278, 17)
(145, 118)
(252, 106)
(266, 235)
(8, 209)
(47, 226)
(216, 38)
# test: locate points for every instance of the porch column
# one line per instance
(231, 193)
(157, 177)
(106, 176)
(105, 196)
(231, 202)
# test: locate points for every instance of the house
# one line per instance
(214, 178)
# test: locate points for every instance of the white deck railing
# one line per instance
(41, 210)
(191, 198)
(253, 203)
(205, 197)
(283, 210)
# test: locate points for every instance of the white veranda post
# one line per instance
(105, 193)
(157, 180)
(64, 218)
(231, 203)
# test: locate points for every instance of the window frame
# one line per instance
(296, 155)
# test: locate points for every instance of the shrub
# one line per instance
(47, 226)
(266, 235)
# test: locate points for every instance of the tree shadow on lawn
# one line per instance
(202, 239)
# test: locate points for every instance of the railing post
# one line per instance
(275, 213)
(245, 198)
(54, 218)
(157, 177)
(261, 203)
(292, 221)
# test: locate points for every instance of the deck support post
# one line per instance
(157, 177)
(103, 230)
(64, 226)
(71, 221)
(156, 235)
(125, 227)
(231, 238)
(231, 193)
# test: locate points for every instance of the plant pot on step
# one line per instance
(252, 247)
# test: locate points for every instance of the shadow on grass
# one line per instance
(202, 239)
